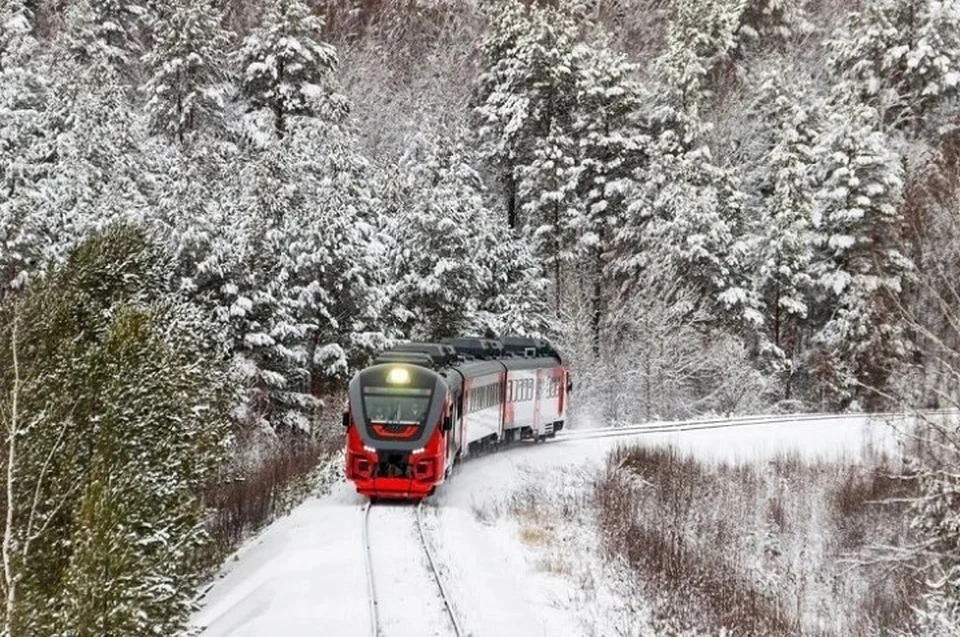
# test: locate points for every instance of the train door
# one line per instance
(537, 400)
(454, 437)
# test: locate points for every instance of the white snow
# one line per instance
(305, 574)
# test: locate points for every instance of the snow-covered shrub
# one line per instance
(661, 358)
(777, 548)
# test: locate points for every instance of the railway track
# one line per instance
(457, 630)
(375, 604)
(714, 423)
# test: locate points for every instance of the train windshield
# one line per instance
(396, 405)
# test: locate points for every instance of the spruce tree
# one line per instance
(108, 33)
(188, 67)
(336, 254)
(524, 101)
(612, 138)
(269, 335)
(435, 241)
(783, 178)
(858, 267)
(901, 57)
(286, 63)
(25, 142)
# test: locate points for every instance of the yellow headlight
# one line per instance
(398, 376)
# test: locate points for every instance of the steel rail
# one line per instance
(458, 631)
(714, 423)
(368, 562)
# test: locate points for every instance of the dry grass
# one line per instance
(759, 549)
(534, 535)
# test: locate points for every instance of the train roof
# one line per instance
(512, 351)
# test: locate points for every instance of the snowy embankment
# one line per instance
(508, 574)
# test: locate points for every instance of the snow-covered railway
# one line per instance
(725, 423)
(406, 591)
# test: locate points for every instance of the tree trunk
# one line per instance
(279, 108)
(9, 577)
(511, 201)
(597, 301)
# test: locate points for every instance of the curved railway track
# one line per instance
(715, 423)
(374, 603)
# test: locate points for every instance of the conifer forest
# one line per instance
(214, 212)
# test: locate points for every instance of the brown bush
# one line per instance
(249, 494)
(773, 548)
(659, 548)
(242, 504)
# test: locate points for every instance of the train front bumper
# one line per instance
(423, 475)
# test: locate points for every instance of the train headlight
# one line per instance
(418, 451)
(398, 376)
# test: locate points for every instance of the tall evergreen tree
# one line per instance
(700, 40)
(436, 240)
(25, 143)
(269, 334)
(100, 174)
(612, 138)
(286, 63)
(859, 267)
(524, 102)
(336, 254)
(902, 57)
(187, 66)
(784, 181)
(108, 33)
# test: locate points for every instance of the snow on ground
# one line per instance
(512, 574)
(302, 575)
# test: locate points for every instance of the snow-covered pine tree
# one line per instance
(512, 298)
(25, 142)
(198, 216)
(524, 101)
(109, 33)
(783, 223)
(612, 139)
(547, 187)
(188, 66)
(336, 281)
(767, 23)
(286, 63)
(688, 209)
(100, 174)
(433, 262)
(901, 57)
(858, 268)
(688, 212)
(269, 334)
(701, 37)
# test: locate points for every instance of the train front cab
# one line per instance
(398, 423)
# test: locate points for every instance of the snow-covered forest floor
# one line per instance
(524, 549)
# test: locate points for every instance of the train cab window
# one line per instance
(396, 405)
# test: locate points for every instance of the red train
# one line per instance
(422, 407)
